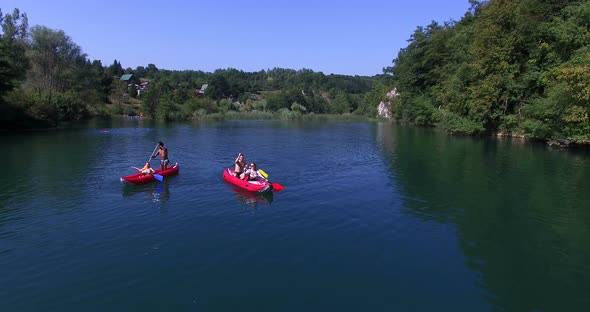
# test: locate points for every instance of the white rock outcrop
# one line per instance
(384, 108)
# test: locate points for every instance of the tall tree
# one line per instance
(151, 70)
(115, 70)
(55, 61)
(13, 44)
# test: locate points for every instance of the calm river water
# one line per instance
(374, 217)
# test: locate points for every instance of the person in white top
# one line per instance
(251, 173)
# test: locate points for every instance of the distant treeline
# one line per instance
(290, 93)
(516, 67)
(45, 79)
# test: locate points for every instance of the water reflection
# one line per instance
(246, 198)
(520, 211)
(155, 192)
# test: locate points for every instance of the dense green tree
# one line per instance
(316, 103)
(54, 60)
(152, 71)
(277, 101)
(150, 100)
(507, 66)
(13, 44)
(340, 104)
(166, 109)
(115, 69)
(140, 72)
(105, 81)
(218, 87)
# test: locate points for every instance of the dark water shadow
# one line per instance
(246, 198)
(517, 210)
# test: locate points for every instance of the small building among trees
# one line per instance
(130, 82)
(128, 78)
(201, 91)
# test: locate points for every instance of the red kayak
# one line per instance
(258, 186)
(140, 178)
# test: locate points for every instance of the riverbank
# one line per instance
(569, 143)
(29, 124)
(34, 124)
(560, 143)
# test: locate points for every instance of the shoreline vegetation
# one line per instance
(517, 69)
(506, 68)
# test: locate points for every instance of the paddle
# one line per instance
(152, 154)
(276, 187)
(158, 177)
(262, 173)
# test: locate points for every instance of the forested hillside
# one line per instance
(518, 67)
(515, 67)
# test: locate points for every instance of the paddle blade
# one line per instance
(159, 177)
(277, 187)
(262, 173)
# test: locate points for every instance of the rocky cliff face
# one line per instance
(384, 108)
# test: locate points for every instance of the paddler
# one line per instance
(163, 152)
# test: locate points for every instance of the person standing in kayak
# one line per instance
(240, 165)
(163, 152)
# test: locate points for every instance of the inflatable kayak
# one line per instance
(140, 178)
(258, 186)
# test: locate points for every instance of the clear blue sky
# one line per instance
(340, 37)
